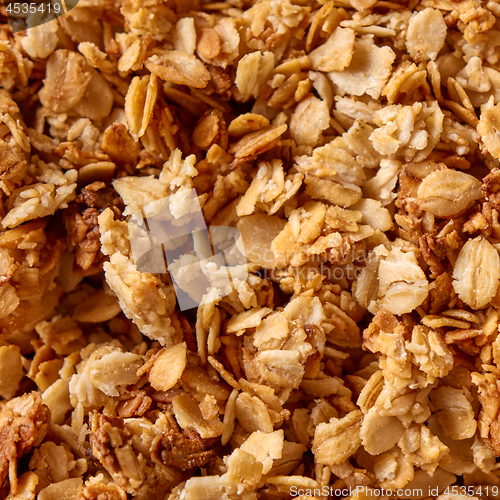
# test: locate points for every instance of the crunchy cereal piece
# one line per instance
(68, 76)
(374, 214)
(11, 370)
(310, 118)
(133, 57)
(111, 445)
(67, 488)
(188, 416)
(446, 192)
(210, 130)
(253, 71)
(26, 487)
(403, 285)
(421, 448)
(392, 469)
(368, 72)
(337, 440)
(208, 45)
(488, 128)
(185, 35)
(96, 57)
(40, 41)
(82, 226)
(57, 399)
(43, 198)
(380, 433)
(488, 416)
(256, 143)
(252, 413)
(97, 101)
(23, 425)
(168, 367)
(142, 297)
(267, 185)
(139, 102)
(52, 464)
(476, 272)
(61, 333)
(246, 123)
(454, 412)
(206, 487)
(339, 185)
(96, 307)
(248, 319)
(412, 131)
(426, 34)
(244, 471)
(336, 53)
(276, 368)
(36, 257)
(104, 372)
(178, 67)
(96, 490)
(114, 234)
(119, 145)
(430, 353)
(184, 450)
(264, 447)
(257, 233)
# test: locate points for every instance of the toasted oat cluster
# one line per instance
(353, 147)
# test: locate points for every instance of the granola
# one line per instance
(318, 309)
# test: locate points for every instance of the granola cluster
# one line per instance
(354, 147)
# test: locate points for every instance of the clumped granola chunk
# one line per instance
(23, 425)
(82, 225)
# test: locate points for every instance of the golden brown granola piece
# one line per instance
(82, 226)
(111, 444)
(32, 258)
(118, 144)
(23, 425)
(101, 491)
(67, 79)
(134, 407)
(184, 450)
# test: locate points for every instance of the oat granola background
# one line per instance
(355, 146)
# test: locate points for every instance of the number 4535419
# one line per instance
(31, 8)
(487, 490)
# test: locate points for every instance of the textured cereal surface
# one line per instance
(355, 146)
